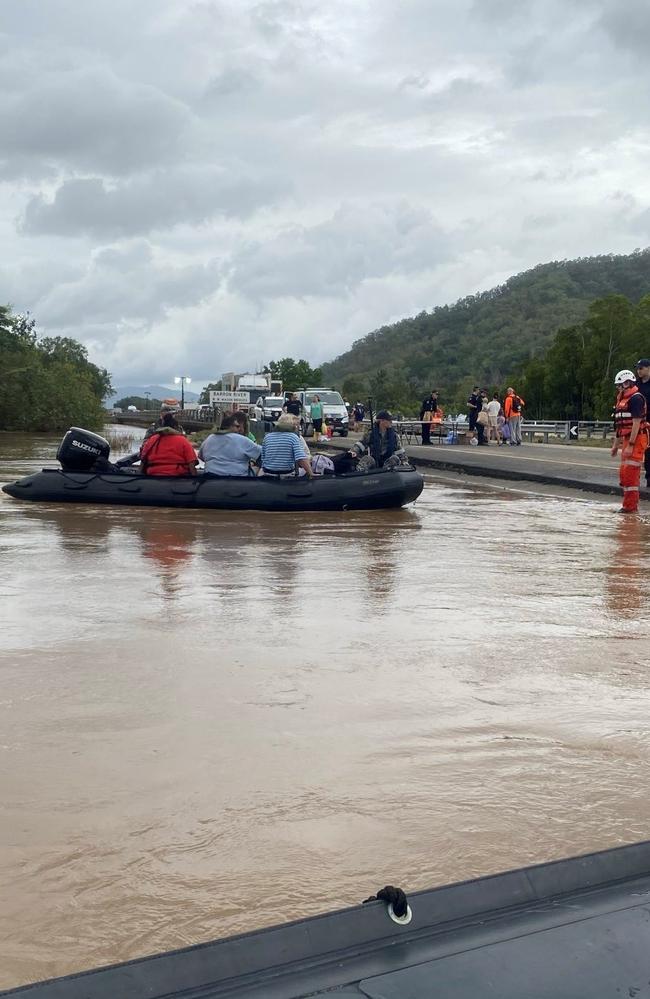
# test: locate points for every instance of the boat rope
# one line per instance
(395, 899)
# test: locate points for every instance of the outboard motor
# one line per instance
(80, 449)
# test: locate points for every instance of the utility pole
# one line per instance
(181, 380)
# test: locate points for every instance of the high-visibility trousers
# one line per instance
(629, 473)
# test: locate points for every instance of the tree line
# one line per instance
(46, 383)
(485, 338)
(571, 379)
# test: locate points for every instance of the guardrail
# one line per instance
(566, 431)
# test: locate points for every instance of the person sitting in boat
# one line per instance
(160, 422)
(381, 444)
(283, 451)
(168, 451)
(229, 451)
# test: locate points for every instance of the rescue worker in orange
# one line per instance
(631, 428)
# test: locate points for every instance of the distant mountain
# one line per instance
(485, 337)
(155, 391)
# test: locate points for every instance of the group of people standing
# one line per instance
(488, 419)
(491, 419)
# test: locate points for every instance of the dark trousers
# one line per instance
(426, 433)
(480, 430)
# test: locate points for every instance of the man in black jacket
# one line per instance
(643, 385)
(474, 407)
(429, 405)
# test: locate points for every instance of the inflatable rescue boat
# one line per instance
(570, 929)
(77, 482)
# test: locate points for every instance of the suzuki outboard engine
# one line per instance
(80, 449)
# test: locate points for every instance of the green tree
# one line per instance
(140, 402)
(483, 338)
(204, 396)
(354, 388)
(46, 384)
(295, 374)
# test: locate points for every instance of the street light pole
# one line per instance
(181, 380)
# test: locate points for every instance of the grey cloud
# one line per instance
(333, 258)
(628, 25)
(164, 115)
(126, 283)
(90, 119)
(87, 206)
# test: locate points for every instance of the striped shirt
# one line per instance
(281, 450)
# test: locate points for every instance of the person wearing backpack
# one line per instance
(512, 409)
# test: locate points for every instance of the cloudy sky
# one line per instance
(191, 187)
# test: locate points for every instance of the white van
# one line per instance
(335, 415)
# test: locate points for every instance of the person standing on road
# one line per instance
(474, 407)
(512, 408)
(316, 413)
(631, 428)
(493, 410)
(293, 405)
(643, 385)
(427, 409)
(482, 421)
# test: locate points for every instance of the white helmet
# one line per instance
(624, 376)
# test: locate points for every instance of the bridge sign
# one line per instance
(228, 398)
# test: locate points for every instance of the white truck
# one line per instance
(335, 414)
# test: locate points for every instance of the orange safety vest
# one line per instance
(622, 415)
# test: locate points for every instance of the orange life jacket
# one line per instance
(622, 415)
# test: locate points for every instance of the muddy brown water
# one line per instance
(210, 722)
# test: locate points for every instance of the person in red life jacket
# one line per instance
(643, 385)
(631, 428)
(168, 451)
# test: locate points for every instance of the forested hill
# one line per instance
(485, 337)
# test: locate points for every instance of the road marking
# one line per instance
(555, 461)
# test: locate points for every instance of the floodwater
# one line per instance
(210, 722)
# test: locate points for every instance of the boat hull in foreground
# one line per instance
(379, 490)
(572, 929)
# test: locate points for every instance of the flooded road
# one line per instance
(210, 722)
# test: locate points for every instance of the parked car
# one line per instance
(268, 408)
(334, 412)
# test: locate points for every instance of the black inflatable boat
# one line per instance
(81, 451)
(572, 929)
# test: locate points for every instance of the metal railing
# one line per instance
(566, 431)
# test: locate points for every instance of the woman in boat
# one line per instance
(168, 451)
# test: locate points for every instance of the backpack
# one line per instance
(515, 406)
